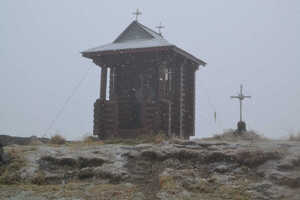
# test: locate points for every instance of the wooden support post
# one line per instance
(103, 83)
(170, 120)
(194, 100)
(112, 83)
(181, 101)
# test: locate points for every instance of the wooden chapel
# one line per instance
(147, 86)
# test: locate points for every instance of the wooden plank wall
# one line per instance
(110, 117)
(188, 100)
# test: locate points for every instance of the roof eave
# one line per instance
(91, 54)
(189, 56)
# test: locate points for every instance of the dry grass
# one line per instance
(35, 141)
(238, 190)
(167, 183)
(58, 139)
(89, 140)
(39, 178)
(159, 138)
(206, 188)
(9, 173)
(92, 140)
(74, 190)
(85, 142)
(145, 138)
(231, 135)
(229, 192)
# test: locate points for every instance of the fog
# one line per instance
(255, 43)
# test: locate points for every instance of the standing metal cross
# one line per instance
(159, 28)
(241, 97)
(137, 13)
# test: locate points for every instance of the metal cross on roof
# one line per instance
(159, 28)
(241, 97)
(137, 13)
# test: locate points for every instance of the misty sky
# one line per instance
(253, 42)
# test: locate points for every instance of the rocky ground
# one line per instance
(170, 170)
(9, 140)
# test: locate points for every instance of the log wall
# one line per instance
(141, 89)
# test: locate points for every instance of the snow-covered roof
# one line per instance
(138, 36)
(135, 36)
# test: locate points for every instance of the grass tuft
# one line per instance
(167, 183)
(39, 178)
(58, 139)
(151, 138)
(9, 173)
(92, 140)
(231, 135)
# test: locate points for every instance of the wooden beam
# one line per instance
(181, 106)
(103, 83)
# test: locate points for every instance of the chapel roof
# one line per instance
(137, 36)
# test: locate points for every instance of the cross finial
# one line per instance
(137, 13)
(159, 28)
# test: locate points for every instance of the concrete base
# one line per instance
(241, 127)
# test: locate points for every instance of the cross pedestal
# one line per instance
(241, 127)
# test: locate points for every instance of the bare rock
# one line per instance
(51, 162)
(289, 163)
(110, 172)
(172, 170)
(256, 158)
(9, 140)
(139, 196)
(85, 173)
(285, 179)
(222, 168)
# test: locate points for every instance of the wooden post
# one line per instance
(181, 101)
(170, 119)
(194, 101)
(112, 83)
(103, 83)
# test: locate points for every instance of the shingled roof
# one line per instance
(137, 36)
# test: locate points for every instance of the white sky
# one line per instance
(252, 42)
